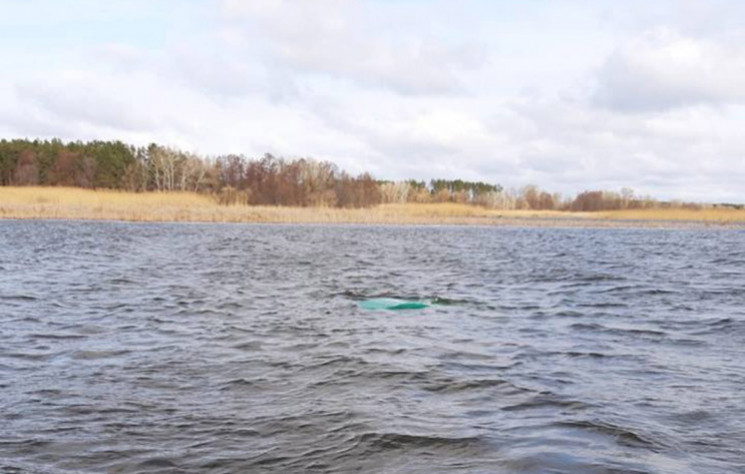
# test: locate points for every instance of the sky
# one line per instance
(568, 95)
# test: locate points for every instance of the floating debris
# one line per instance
(393, 304)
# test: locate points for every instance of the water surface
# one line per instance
(144, 348)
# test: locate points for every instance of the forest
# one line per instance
(269, 180)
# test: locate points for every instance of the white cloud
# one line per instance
(512, 94)
(662, 69)
(336, 38)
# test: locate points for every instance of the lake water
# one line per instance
(144, 348)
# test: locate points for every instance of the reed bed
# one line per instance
(85, 204)
(77, 203)
(707, 215)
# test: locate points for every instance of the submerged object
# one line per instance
(393, 304)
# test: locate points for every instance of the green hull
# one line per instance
(392, 304)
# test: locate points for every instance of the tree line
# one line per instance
(269, 180)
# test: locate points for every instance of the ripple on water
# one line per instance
(241, 348)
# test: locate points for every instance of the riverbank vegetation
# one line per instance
(32, 202)
(119, 181)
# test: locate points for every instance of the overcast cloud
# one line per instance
(567, 95)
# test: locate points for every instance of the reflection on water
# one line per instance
(242, 348)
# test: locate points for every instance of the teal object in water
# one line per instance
(392, 304)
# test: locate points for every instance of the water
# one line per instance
(144, 348)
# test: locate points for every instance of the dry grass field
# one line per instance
(77, 203)
(711, 215)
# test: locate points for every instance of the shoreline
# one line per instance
(590, 222)
(47, 203)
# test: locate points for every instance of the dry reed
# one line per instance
(77, 203)
(707, 214)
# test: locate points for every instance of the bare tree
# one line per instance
(26, 172)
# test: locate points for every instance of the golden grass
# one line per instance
(77, 203)
(60, 196)
(710, 215)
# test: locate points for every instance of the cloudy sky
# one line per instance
(565, 94)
